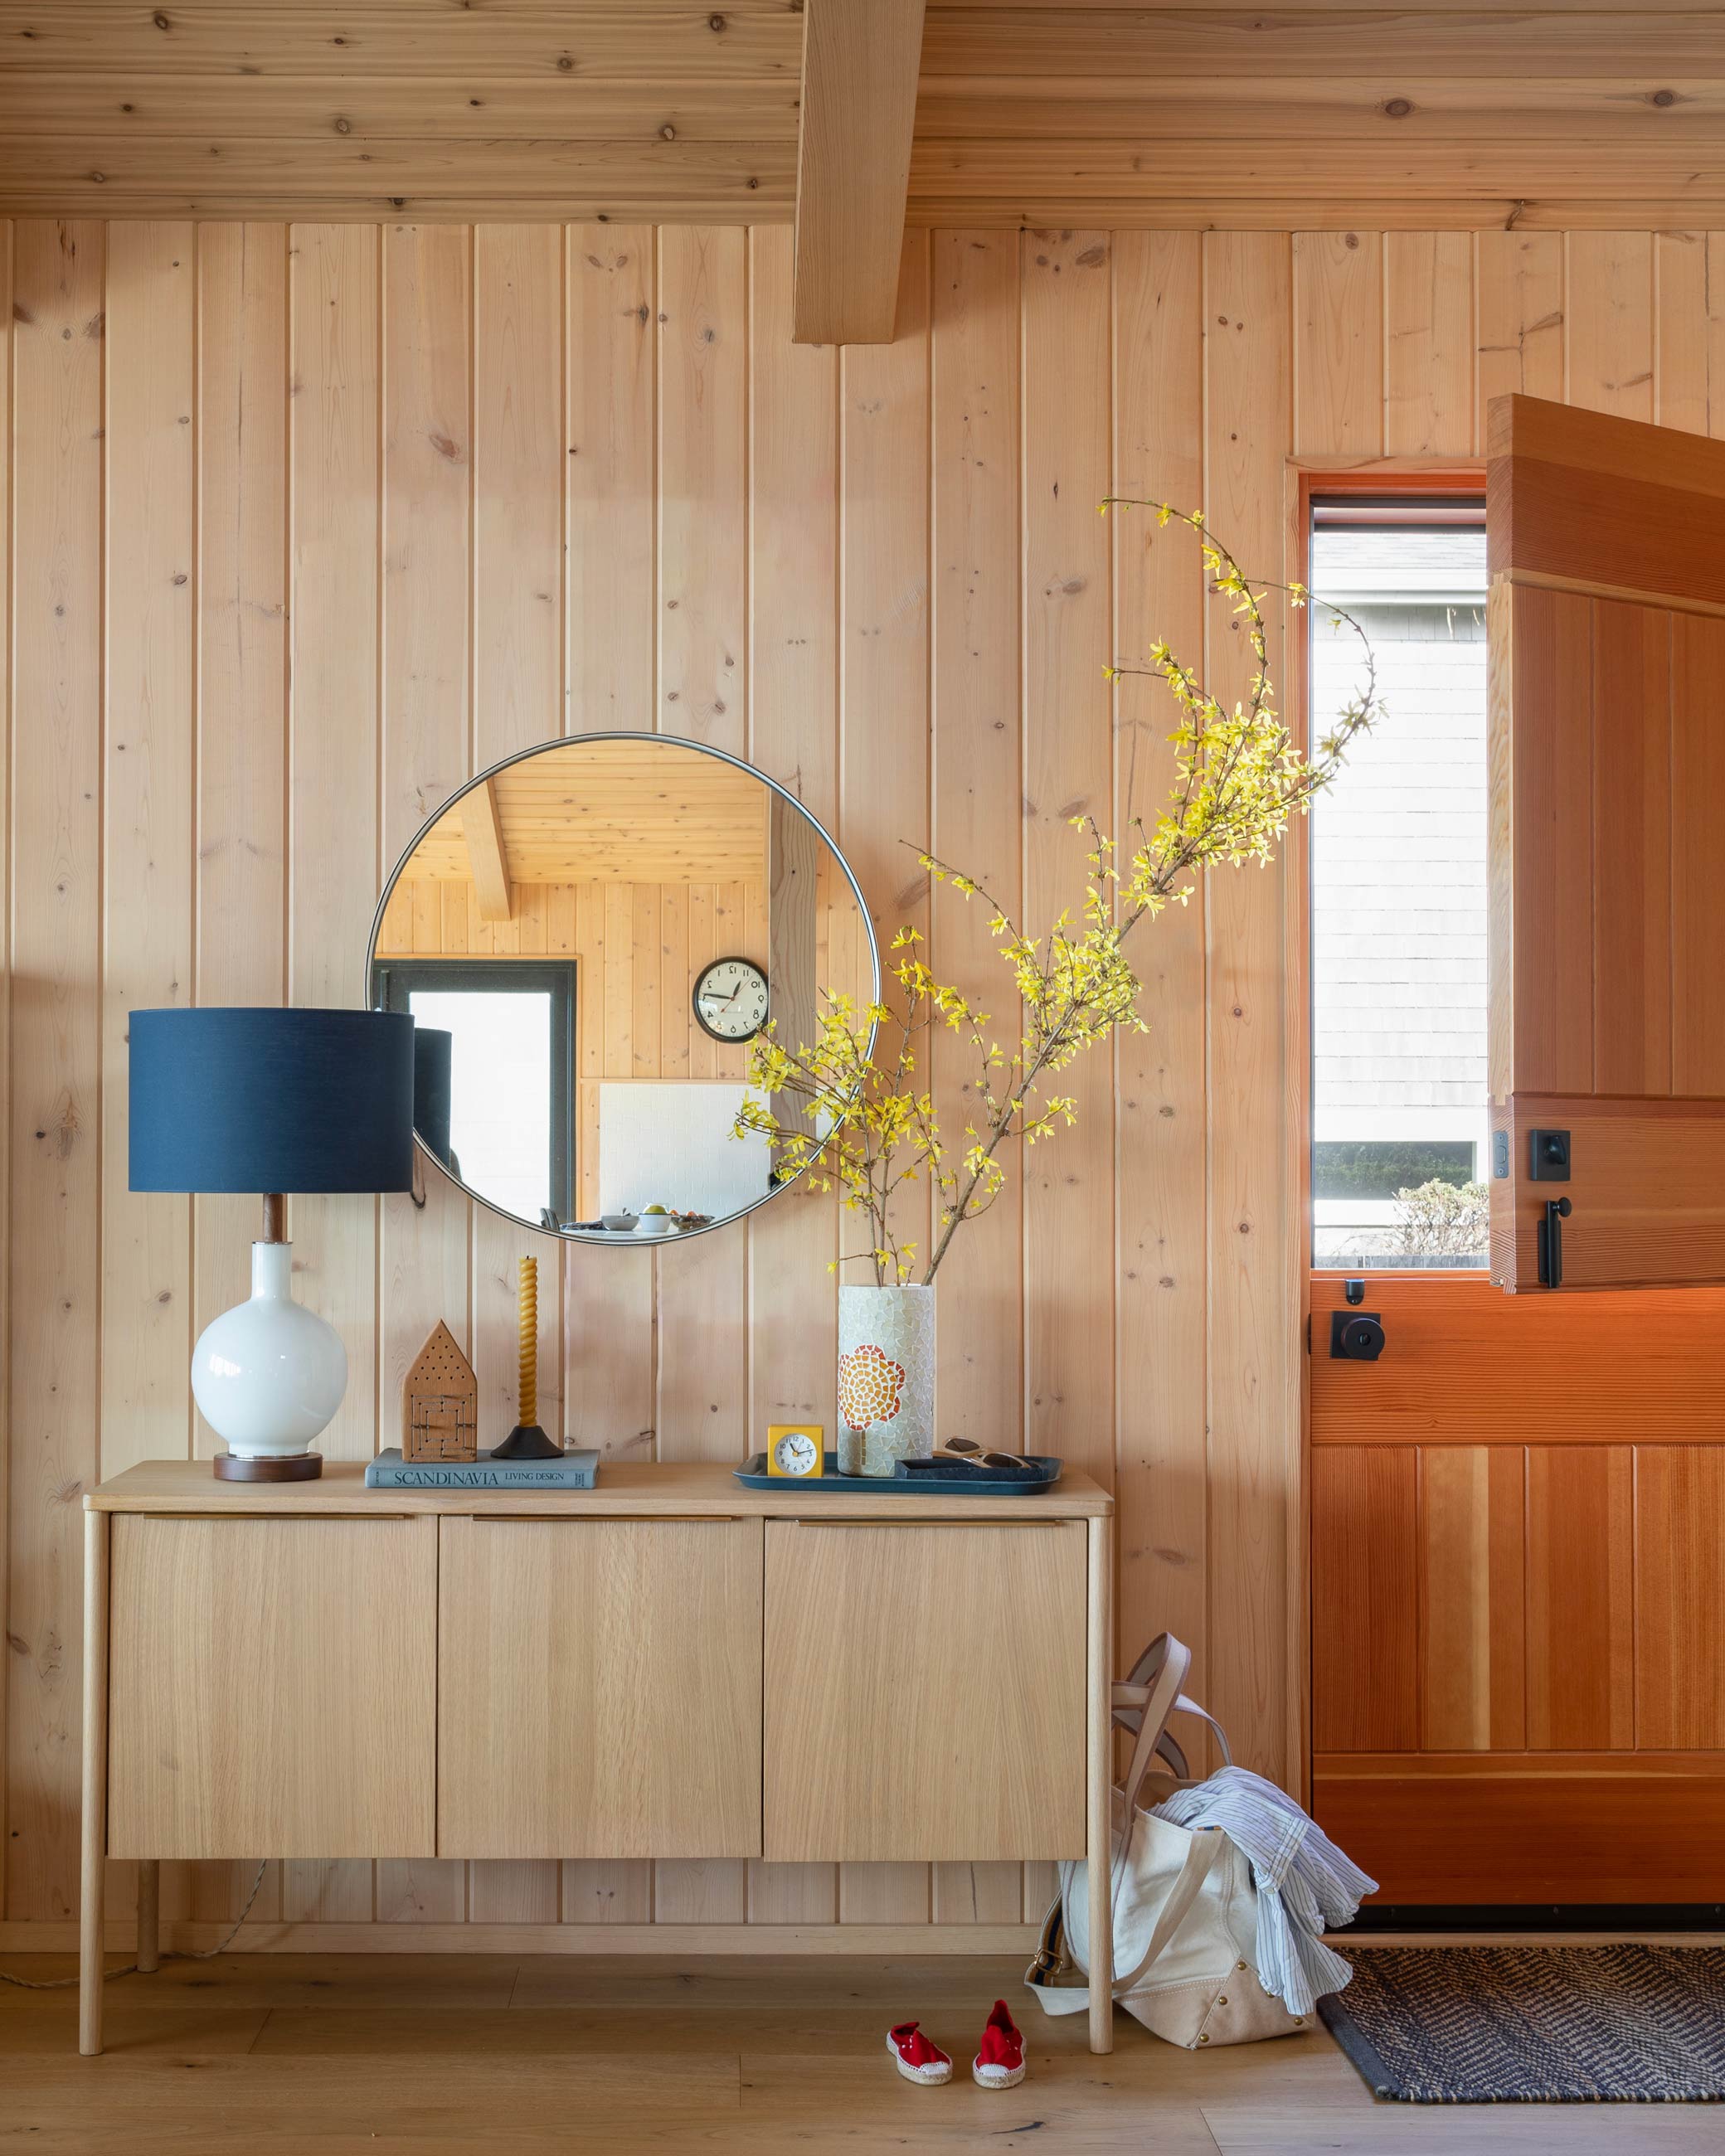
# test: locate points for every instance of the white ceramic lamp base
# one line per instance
(268, 1374)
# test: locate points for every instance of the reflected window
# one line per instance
(1398, 1085)
(511, 1102)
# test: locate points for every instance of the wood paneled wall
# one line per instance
(308, 522)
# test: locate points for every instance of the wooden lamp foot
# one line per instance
(299, 1467)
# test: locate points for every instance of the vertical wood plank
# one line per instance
(1680, 1598)
(977, 806)
(792, 734)
(1429, 344)
(1550, 666)
(1254, 1369)
(519, 585)
(336, 466)
(1610, 312)
(6, 319)
(976, 730)
(703, 643)
(1160, 1104)
(1365, 1608)
(1580, 1598)
(1068, 766)
(147, 790)
(1689, 390)
(427, 481)
(645, 954)
(1520, 280)
(55, 1262)
(1697, 778)
(1632, 848)
(1338, 344)
(240, 939)
(1471, 1621)
(884, 762)
(611, 348)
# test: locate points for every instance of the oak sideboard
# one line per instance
(669, 1665)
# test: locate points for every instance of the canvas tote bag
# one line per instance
(1185, 1909)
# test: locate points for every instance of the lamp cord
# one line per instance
(131, 1969)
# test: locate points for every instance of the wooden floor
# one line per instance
(343, 2053)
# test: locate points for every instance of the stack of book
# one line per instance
(574, 1470)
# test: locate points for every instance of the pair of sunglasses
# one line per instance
(967, 1449)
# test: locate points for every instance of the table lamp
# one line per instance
(270, 1101)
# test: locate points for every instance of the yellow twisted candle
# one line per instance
(529, 1299)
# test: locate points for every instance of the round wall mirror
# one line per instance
(588, 936)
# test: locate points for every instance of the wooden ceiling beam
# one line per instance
(487, 857)
(860, 60)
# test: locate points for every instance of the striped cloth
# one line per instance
(1305, 1886)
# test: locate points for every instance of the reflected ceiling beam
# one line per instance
(860, 59)
(487, 857)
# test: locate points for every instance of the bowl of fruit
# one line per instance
(655, 1221)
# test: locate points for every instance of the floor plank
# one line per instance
(334, 2055)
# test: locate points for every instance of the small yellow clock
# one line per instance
(796, 1450)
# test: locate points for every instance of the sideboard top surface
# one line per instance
(705, 1488)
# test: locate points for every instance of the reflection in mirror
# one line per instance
(588, 938)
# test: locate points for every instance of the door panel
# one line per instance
(1492, 1828)
(1697, 789)
(1467, 1365)
(925, 1691)
(1580, 1598)
(599, 1688)
(1472, 1598)
(1680, 1597)
(273, 1687)
(1480, 1739)
(1608, 790)
(1365, 1634)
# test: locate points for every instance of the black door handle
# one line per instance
(1550, 1242)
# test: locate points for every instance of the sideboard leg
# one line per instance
(1099, 1774)
(94, 1848)
(149, 1916)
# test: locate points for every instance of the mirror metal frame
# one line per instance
(592, 1241)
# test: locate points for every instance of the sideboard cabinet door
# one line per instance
(925, 1691)
(273, 1687)
(599, 1688)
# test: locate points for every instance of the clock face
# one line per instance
(797, 1453)
(731, 999)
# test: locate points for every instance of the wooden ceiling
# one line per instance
(643, 811)
(1091, 112)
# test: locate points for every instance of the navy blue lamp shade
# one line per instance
(262, 1100)
(433, 1066)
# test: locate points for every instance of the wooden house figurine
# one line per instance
(439, 1402)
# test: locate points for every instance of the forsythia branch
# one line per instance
(858, 1117)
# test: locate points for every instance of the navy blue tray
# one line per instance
(908, 1482)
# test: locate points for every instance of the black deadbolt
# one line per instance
(1549, 1155)
(1356, 1336)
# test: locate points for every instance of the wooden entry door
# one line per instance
(1518, 1594)
(1518, 1514)
(1606, 547)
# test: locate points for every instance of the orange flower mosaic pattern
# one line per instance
(869, 1388)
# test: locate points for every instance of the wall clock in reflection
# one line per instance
(731, 999)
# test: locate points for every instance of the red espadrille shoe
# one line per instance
(916, 2058)
(1000, 2062)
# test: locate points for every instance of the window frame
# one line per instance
(1411, 489)
(395, 978)
(1311, 477)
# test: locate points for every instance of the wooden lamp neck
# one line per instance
(275, 1218)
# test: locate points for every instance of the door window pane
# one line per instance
(1399, 1127)
(501, 1104)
